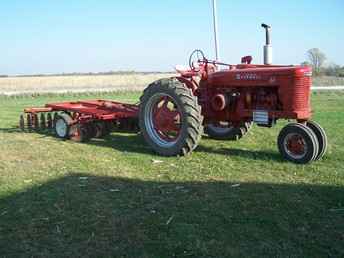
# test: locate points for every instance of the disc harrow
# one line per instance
(81, 121)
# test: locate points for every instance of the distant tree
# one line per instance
(305, 63)
(316, 59)
(332, 69)
(341, 72)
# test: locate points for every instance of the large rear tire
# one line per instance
(226, 132)
(170, 118)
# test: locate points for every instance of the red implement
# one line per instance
(98, 109)
(82, 120)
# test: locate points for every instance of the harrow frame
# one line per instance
(99, 117)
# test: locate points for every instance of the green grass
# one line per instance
(107, 198)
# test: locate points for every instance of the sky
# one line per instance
(40, 36)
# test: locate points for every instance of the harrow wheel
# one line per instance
(224, 131)
(91, 130)
(43, 123)
(35, 122)
(29, 121)
(170, 118)
(297, 143)
(50, 122)
(62, 126)
(55, 117)
(80, 132)
(102, 129)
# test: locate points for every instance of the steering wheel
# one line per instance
(197, 56)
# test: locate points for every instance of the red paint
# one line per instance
(166, 121)
(282, 91)
(83, 112)
(96, 109)
(296, 145)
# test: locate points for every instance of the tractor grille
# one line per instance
(302, 87)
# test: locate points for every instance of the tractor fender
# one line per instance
(190, 83)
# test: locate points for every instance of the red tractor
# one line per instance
(174, 111)
(224, 102)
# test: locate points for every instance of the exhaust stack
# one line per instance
(216, 34)
(268, 46)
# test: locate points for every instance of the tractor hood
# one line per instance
(257, 73)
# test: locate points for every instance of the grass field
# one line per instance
(111, 198)
(77, 83)
(328, 81)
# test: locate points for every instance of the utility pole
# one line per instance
(217, 49)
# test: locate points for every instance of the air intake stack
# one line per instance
(268, 46)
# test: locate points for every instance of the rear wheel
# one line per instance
(170, 118)
(224, 131)
(297, 143)
(321, 137)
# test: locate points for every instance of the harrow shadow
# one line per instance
(10, 130)
(81, 215)
(124, 142)
(121, 141)
(43, 133)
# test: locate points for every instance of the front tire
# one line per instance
(170, 118)
(321, 137)
(297, 143)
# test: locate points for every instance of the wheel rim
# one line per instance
(163, 120)
(61, 128)
(295, 146)
(220, 127)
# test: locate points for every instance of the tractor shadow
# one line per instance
(134, 143)
(247, 154)
(80, 215)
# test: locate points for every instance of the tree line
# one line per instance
(317, 59)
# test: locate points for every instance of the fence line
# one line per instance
(90, 90)
(316, 88)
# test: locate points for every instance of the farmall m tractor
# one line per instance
(173, 113)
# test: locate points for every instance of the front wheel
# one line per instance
(297, 143)
(321, 137)
(170, 118)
